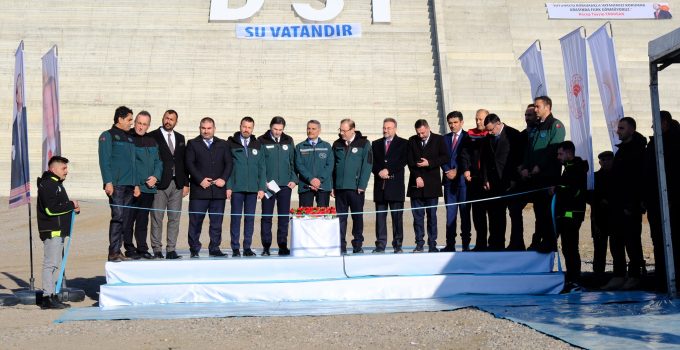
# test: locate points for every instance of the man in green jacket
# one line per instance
(246, 184)
(117, 166)
(353, 165)
(541, 168)
(148, 167)
(314, 164)
(279, 152)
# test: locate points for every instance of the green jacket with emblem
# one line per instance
(542, 150)
(249, 171)
(314, 162)
(54, 207)
(353, 163)
(117, 157)
(279, 158)
(148, 161)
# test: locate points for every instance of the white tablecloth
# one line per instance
(314, 237)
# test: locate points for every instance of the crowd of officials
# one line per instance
(497, 167)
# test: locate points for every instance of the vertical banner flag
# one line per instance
(607, 74)
(532, 64)
(576, 75)
(51, 141)
(20, 191)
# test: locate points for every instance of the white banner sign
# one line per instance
(606, 72)
(51, 141)
(604, 10)
(298, 31)
(532, 64)
(576, 75)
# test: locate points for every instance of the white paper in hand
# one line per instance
(272, 188)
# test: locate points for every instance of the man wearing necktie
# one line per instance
(426, 153)
(455, 189)
(314, 163)
(389, 160)
(172, 187)
(246, 185)
(279, 152)
(209, 164)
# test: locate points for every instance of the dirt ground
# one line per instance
(26, 326)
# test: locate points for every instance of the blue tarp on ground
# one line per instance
(631, 320)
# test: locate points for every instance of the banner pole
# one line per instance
(30, 246)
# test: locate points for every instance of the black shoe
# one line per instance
(249, 252)
(449, 248)
(146, 255)
(466, 247)
(171, 255)
(478, 249)
(236, 253)
(194, 255)
(284, 251)
(546, 248)
(433, 250)
(132, 255)
(418, 250)
(358, 250)
(52, 302)
(378, 251)
(266, 252)
(517, 248)
(398, 250)
(217, 254)
(159, 255)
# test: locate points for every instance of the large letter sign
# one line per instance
(332, 10)
(220, 11)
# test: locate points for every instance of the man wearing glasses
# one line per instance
(353, 165)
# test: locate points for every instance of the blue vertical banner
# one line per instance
(51, 141)
(20, 191)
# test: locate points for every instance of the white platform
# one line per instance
(354, 277)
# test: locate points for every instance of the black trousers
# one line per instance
(497, 210)
(397, 214)
(323, 198)
(654, 217)
(600, 232)
(478, 209)
(568, 230)
(627, 239)
(516, 207)
(346, 201)
(120, 216)
(215, 210)
(282, 202)
(138, 223)
(545, 232)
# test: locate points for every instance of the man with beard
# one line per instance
(626, 201)
(172, 187)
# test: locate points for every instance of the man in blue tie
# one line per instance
(453, 181)
(209, 164)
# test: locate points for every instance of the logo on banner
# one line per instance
(577, 100)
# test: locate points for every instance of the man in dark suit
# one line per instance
(389, 160)
(209, 163)
(173, 186)
(499, 171)
(426, 153)
(455, 189)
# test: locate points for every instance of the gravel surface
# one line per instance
(25, 326)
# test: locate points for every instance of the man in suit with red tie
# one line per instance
(172, 187)
(455, 189)
(389, 160)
